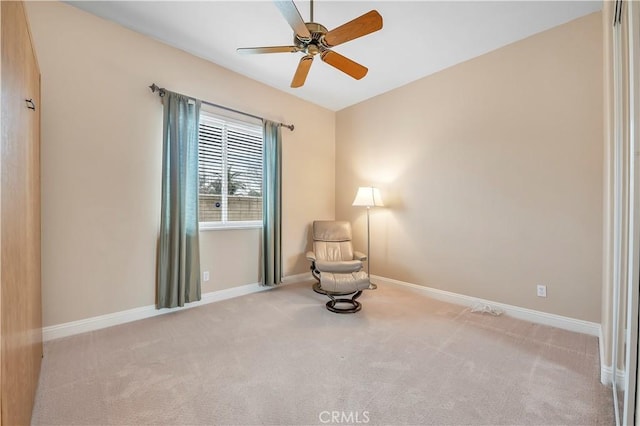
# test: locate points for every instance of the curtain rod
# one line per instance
(161, 91)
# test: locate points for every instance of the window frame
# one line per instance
(225, 224)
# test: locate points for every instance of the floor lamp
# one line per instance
(368, 197)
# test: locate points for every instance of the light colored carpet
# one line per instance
(279, 357)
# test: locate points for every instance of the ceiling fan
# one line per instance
(314, 39)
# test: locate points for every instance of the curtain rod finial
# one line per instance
(154, 88)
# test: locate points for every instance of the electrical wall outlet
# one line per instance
(542, 290)
(205, 276)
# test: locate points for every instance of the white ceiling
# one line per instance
(418, 38)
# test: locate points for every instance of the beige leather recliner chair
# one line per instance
(336, 266)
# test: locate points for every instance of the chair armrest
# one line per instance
(359, 256)
(345, 266)
(311, 256)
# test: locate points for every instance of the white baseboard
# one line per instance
(538, 317)
(115, 318)
(606, 377)
(291, 279)
(606, 371)
(108, 320)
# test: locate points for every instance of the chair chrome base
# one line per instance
(353, 305)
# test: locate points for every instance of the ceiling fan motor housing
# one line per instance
(315, 44)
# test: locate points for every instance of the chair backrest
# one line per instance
(332, 240)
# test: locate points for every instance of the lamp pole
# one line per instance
(368, 196)
(368, 246)
(372, 286)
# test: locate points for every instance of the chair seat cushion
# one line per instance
(339, 267)
(344, 283)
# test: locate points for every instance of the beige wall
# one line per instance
(101, 160)
(492, 170)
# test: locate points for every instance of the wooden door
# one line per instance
(20, 304)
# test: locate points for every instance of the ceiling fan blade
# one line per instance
(361, 26)
(344, 64)
(301, 72)
(270, 49)
(291, 14)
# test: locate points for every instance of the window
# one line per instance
(230, 173)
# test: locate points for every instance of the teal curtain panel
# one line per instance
(178, 264)
(272, 205)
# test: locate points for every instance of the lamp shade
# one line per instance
(368, 196)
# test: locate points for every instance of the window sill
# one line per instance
(208, 226)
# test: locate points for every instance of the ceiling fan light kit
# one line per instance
(313, 39)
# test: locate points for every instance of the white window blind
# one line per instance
(230, 172)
